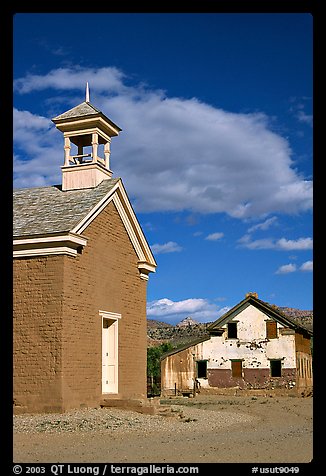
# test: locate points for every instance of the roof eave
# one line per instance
(185, 346)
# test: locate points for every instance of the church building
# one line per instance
(81, 266)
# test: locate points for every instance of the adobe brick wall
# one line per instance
(105, 277)
(37, 333)
(58, 329)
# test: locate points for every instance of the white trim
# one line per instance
(60, 250)
(48, 245)
(120, 199)
(109, 315)
(146, 267)
(113, 316)
(80, 227)
(140, 235)
(92, 122)
(89, 130)
(129, 227)
(70, 237)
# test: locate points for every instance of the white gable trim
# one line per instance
(121, 201)
(80, 227)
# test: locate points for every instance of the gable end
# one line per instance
(65, 235)
(266, 308)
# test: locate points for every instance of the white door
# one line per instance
(109, 356)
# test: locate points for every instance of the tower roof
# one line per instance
(85, 110)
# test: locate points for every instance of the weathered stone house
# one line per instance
(81, 265)
(253, 346)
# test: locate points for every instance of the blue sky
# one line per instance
(216, 144)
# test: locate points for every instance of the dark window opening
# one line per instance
(276, 368)
(236, 367)
(271, 329)
(232, 330)
(202, 369)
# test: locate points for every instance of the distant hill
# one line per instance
(305, 318)
(159, 332)
(188, 329)
(187, 321)
(153, 323)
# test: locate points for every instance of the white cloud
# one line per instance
(214, 236)
(281, 244)
(109, 79)
(35, 137)
(305, 118)
(176, 154)
(286, 269)
(297, 109)
(264, 225)
(166, 307)
(300, 244)
(307, 266)
(200, 309)
(169, 247)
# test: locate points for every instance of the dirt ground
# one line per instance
(205, 429)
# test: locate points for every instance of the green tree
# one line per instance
(154, 363)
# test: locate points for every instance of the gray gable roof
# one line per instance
(43, 210)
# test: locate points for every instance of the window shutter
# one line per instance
(271, 329)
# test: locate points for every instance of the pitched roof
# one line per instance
(43, 210)
(83, 109)
(46, 216)
(197, 340)
(268, 309)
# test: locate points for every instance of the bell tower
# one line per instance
(85, 127)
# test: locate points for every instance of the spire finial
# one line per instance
(87, 92)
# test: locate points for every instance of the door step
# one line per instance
(146, 406)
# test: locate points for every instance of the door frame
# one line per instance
(112, 316)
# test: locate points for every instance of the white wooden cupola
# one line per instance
(89, 130)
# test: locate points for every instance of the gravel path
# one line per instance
(207, 429)
(104, 419)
